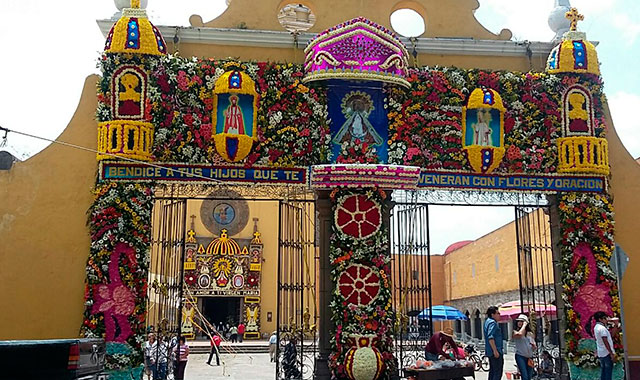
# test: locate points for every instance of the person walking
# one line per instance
(149, 361)
(161, 354)
(493, 343)
(241, 329)
(233, 334)
(215, 348)
(182, 353)
(273, 341)
(290, 363)
(227, 328)
(604, 345)
(523, 338)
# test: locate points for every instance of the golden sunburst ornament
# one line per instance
(221, 266)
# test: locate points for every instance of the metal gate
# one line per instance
(411, 279)
(297, 312)
(537, 280)
(164, 299)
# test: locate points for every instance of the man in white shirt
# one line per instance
(604, 344)
(273, 341)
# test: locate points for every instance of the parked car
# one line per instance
(64, 359)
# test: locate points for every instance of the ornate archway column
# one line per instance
(355, 295)
(325, 286)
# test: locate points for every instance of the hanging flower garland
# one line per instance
(361, 305)
(117, 270)
(586, 223)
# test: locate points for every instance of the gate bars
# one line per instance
(411, 279)
(297, 314)
(536, 263)
(164, 299)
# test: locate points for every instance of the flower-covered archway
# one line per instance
(275, 123)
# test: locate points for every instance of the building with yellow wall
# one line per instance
(44, 199)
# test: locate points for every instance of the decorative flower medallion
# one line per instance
(364, 361)
(359, 285)
(358, 216)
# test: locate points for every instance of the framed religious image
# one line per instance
(231, 214)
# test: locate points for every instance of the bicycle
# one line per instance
(479, 363)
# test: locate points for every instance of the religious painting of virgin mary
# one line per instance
(358, 116)
(356, 107)
(483, 127)
(235, 114)
(235, 110)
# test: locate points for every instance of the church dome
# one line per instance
(134, 33)
(574, 54)
(223, 246)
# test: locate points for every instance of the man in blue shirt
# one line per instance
(493, 343)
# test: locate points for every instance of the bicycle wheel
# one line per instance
(485, 363)
(477, 363)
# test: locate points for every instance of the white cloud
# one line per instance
(630, 28)
(624, 111)
(525, 22)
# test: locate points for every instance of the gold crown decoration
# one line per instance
(574, 54)
(583, 154)
(134, 33)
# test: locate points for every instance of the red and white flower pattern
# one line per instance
(359, 284)
(358, 216)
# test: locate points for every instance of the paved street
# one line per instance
(258, 367)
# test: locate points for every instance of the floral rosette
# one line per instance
(357, 216)
(361, 304)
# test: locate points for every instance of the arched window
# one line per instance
(477, 324)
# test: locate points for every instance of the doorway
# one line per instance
(222, 310)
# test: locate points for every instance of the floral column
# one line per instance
(361, 306)
(586, 220)
(120, 217)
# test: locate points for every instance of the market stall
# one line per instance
(440, 370)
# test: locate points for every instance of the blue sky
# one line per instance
(49, 47)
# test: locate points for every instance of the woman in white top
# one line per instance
(523, 337)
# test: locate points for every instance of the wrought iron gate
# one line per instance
(297, 312)
(411, 279)
(164, 299)
(537, 280)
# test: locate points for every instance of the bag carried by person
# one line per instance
(530, 363)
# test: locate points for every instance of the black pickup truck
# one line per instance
(64, 359)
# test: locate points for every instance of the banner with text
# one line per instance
(120, 171)
(511, 182)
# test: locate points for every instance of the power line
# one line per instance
(70, 145)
